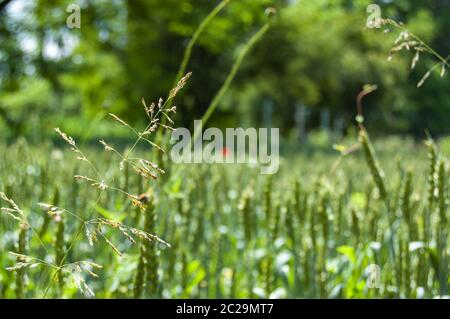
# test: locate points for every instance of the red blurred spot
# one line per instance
(225, 151)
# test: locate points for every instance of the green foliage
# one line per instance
(317, 53)
(323, 251)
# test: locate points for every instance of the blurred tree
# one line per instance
(318, 53)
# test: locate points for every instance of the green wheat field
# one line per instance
(93, 206)
(310, 231)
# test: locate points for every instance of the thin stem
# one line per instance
(237, 64)
(72, 243)
(193, 40)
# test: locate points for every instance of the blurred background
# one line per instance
(303, 76)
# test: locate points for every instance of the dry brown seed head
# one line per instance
(144, 198)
